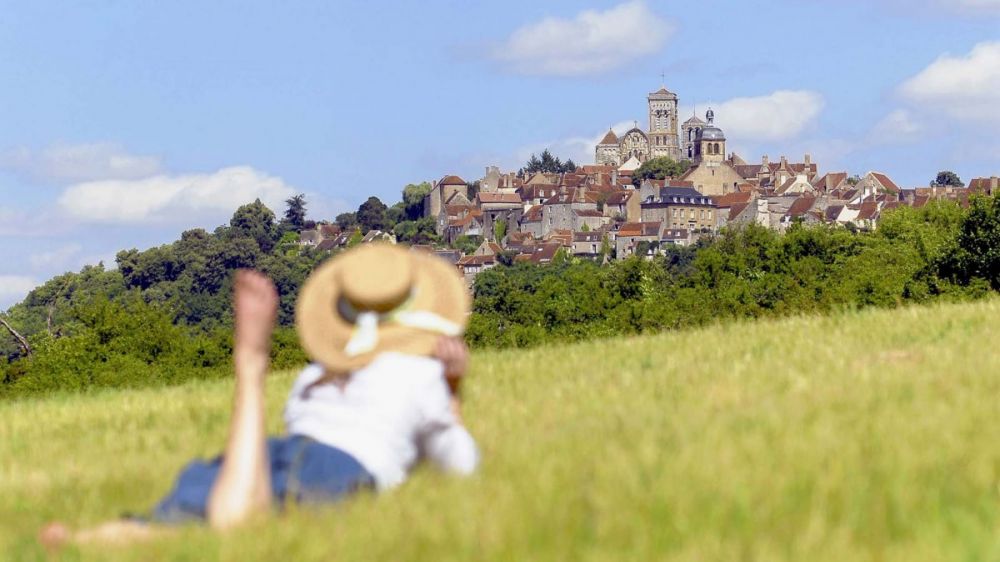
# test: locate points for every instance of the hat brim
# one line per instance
(324, 332)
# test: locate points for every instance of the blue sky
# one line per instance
(124, 123)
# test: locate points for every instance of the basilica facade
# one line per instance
(661, 139)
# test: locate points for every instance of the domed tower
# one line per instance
(709, 143)
(607, 152)
(663, 138)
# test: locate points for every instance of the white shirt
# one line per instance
(388, 415)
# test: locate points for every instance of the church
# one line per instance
(662, 138)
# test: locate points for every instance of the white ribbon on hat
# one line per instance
(365, 336)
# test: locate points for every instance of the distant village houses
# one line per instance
(602, 212)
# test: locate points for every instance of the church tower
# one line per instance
(663, 138)
(709, 143)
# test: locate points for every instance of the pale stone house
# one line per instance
(680, 207)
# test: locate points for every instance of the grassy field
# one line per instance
(863, 436)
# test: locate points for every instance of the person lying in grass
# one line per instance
(382, 324)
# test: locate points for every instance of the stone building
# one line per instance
(661, 139)
(680, 207)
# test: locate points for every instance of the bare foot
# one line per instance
(54, 536)
(255, 306)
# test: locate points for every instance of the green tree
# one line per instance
(499, 230)
(660, 168)
(467, 244)
(255, 221)
(413, 199)
(295, 213)
(548, 164)
(371, 214)
(346, 221)
(947, 178)
(420, 231)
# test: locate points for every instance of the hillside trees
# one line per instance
(547, 164)
(371, 215)
(947, 178)
(660, 168)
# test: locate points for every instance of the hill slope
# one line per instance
(870, 435)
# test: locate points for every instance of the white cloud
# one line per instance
(977, 6)
(580, 149)
(13, 288)
(593, 42)
(64, 163)
(781, 115)
(898, 126)
(173, 199)
(60, 258)
(965, 87)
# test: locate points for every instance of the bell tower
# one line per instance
(663, 138)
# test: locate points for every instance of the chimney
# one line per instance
(764, 161)
(784, 162)
(808, 160)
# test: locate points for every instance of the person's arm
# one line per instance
(445, 441)
(244, 483)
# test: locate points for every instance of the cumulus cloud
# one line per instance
(965, 87)
(899, 125)
(172, 199)
(781, 115)
(71, 163)
(13, 288)
(593, 42)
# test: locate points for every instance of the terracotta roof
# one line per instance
(451, 180)
(619, 197)
(588, 213)
(505, 198)
(476, 260)
(639, 229)
(544, 253)
(595, 169)
(800, 206)
(868, 211)
(830, 181)
(610, 138)
(731, 199)
(571, 197)
(542, 179)
(676, 234)
(533, 214)
(530, 192)
(887, 183)
(592, 236)
(736, 210)
(564, 237)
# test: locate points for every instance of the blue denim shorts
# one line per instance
(302, 470)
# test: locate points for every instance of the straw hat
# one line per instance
(376, 298)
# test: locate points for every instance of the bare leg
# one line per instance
(244, 484)
(243, 487)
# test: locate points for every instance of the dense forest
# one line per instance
(163, 316)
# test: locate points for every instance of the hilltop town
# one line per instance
(620, 206)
